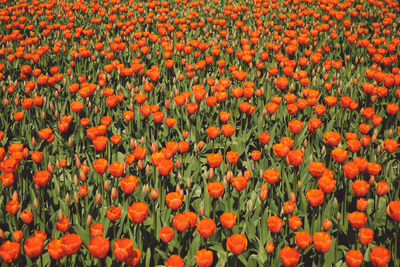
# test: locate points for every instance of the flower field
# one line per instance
(199, 133)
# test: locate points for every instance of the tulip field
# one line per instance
(200, 133)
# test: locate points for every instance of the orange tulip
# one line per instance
(303, 239)
(357, 219)
(360, 188)
(228, 220)
(129, 184)
(275, 224)
(366, 236)
(354, 258)
(99, 247)
(113, 213)
(166, 234)
(271, 176)
(380, 256)
(165, 167)
(393, 210)
(33, 247)
(174, 200)
(204, 258)
(206, 227)
(316, 168)
(122, 249)
(54, 248)
(174, 261)
(214, 160)
(332, 138)
(180, 222)
(10, 251)
(117, 169)
(236, 243)
(100, 165)
(322, 242)
(295, 157)
(280, 150)
(315, 197)
(138, 212)
(215, 189)
(289, 256)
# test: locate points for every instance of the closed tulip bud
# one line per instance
(153, 148)
(67, 199)
(98, 199)
(106, 185)
(323, 150)
(50, 168)
(327, 225)
(76, 180)
(33, 141)
(37, 187)
(201, 211)
(335, 203)
(140, 164)
(43, 115)
(264, 112)
(70, 142)
(147, 170)
(305, 143)
(96, 109)
(229, 176)
(89, 220)
(390, 133)
(178, 164)
(371, 180)
(51, 106)
(299, 184)
(77, 161)
(362, 60)
(132, 143)
(154, 194)
(2, 235)
(373, 139)
(76, 197)
(142, 140)
(15, 196)
(113, 193)
(339, 216)
(292, 197)
(58, 166)
(378, 150)
(201, 145)
(17, 236)
(60, 215)
(185, 134)
(35, 203)
(188, 182)
(250, 205)
(211, 174)
(195, 148)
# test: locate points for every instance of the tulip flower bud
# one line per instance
(51, 106)
(17, 235)
(201, 211)
(96, 109)
(140, 164)
(113, 193)
(58, 166)
(327, 225)
(34, 141)
(77, 161)
(67, 199)
(70, 142)
(153, 148)
(15, 196)
(2, 235)
(195, 148)
(211, 173)
(201, 145)
(250, 205)
(373, 139)
(177, 164)
(147, 170)
(98, 198)
(323, 150)
(60, 215)
(335, 203)
(89, 220)
(185, 134)
(292, 197)
(76, 180)
(76, 197)
(390, 133)
(82, 176)
(132, 143)
(142, 140)
(154, 194)
(50, 168)
(43, 115)
(35, 203)
(106, 185)
(269, 247)
(188, 182)
(371, 180)
(229, 176)
(378, 150)
(299, 185)
(339, 216)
